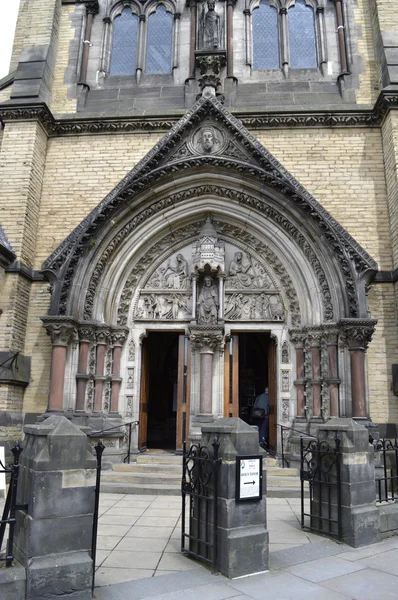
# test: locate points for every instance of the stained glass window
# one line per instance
(265, 37)
(124, 45)
(302, 36)
(159, 44)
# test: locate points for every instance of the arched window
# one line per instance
(302, 36)
(265, 37)
(124, 44)
(159, 43)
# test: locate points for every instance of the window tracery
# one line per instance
(285, 34)
(140, 38)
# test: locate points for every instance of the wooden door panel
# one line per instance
(231, 377)
(272, 393)
(183, 390)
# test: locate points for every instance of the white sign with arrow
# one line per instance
(249, 475)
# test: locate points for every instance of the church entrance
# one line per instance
(164, 396)
(249, 368)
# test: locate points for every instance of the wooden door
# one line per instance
(144, 391)
(183, 390)
(231, 377)
(272, 393)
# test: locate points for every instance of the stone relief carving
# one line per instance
(174, 274)
(244, 307)
(285, 381)
(208, 301)
(243, 273)
(131, 352)
(175, 306)
(285, 410)
(130, 377)
(285, 352)
(107, 395)
(129, 405)
(208, 139)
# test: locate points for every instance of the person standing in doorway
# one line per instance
(260, 416)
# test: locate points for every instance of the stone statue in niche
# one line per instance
(210, 28)
(175, 276)
(208, 301)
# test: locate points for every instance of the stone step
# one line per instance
(141, 478)
(175, 469)
(166, 458)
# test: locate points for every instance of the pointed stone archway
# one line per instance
(208, 165)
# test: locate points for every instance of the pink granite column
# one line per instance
(333, 374)
(206, 341)
(62, 331)
(358, 334)
(102, 342)
(314, 339)
(297, 338)
(118, 339)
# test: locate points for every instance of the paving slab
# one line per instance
(156, 521)
(386, 562)
(324, 568)
(276, 585)
(365, 585)
(134, 544)
(108, 577)
(173, 561)
(107, 542)
(150, 532)
(372, 550)
(132, 560)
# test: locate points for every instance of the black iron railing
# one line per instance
(200, 469)
(129, 427)
(99, 449)
(386, 451)
(11, 506)
(320, 470)
(284, 428)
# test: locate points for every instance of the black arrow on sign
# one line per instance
(249, 483)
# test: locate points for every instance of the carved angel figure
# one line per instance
(241, 273)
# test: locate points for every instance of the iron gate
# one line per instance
(200, 468)
(320, 471)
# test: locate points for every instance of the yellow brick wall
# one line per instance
(387, 12)
(14, 300)
(390, 148)
(79, 172)
(22, 158)
(60, 103)
(344, 170)
(5, 94)
(382, 353)
(370, 77)
(38, 346)
(20, 32)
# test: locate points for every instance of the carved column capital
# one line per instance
(86, 333)
(62, 330)
(330, 334)
(119, 336)
(298, 337)
(92, 7)
(103, 334)
(206, 340)
(357, 333)
(314, 337)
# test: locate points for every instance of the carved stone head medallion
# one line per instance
(208, 139)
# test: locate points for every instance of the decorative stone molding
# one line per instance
(103, 334)
(210, 66)
(297, 337)
(358, 332)
(206, 339)
(86, 333)
(119, 336)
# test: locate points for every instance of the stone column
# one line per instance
(102, 336)
(206, 340)
(358, 333)
(359, 513)
(118, 339)
(230, 38)
(332, 374)
(314, 341)
(86, 335)
(242, 526)
(284, 40)
(221, 279)
(61, 330)
(53, 535)
(194, 286)
(297, 338)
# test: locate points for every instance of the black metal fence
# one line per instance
(200, 470)
(320, 471)
(128, 430)
(386, 463)
(99, 449)
(11, 506)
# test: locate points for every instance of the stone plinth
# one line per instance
(359, 513)
(242, 526)
(53, 536)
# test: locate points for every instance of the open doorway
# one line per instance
(161, 366)
(249, 369)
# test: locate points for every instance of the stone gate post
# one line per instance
(53, 535)
(359, 513)
(242, 526)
